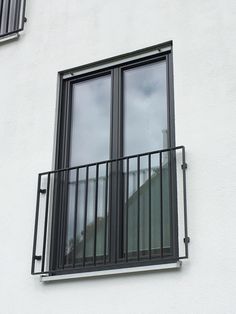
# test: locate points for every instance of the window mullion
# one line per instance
(120, 181)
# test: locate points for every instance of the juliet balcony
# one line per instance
(118, 213)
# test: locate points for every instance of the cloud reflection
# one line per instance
(145, 107)
(90, 133)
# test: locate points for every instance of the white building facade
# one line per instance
(191, 47)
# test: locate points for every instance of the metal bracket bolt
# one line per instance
(187, 240)
(38, 257)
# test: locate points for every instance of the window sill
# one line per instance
(111, 272)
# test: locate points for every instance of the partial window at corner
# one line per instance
(12, 18)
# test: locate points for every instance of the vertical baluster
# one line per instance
(36, 225)
(105, 230)
(95, 215)
(150, 205)
(110, 212)
(1, 15)
(65, 207)
(22, 15)
(45, 223)
(117, 211)
(85, 213)
(127, 210)
(8, 10)
(75, 215)
(138, 208)
(161, 204)
(61, 204)
(17, 15)
(184, 166)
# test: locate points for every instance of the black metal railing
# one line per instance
(12, 17)
(116, 213)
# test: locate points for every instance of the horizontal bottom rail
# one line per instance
(111, 272)
(110, 266)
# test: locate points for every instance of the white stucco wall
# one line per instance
(63, 34)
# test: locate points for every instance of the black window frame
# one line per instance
(67, 79)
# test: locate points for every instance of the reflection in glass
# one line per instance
(149, 189)
(145, 108)
(90, 128)
(89, 142)
(145, 129)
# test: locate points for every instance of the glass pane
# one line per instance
(90, 129)
(89, 142)
(146, 129)
(145, 108)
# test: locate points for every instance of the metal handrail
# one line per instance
(114, 159)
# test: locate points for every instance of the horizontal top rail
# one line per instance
(114, 160)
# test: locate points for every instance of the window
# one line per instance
(111, 201)
(12, 18)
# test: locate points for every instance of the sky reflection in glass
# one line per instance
(145, 108)
(90, 130)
